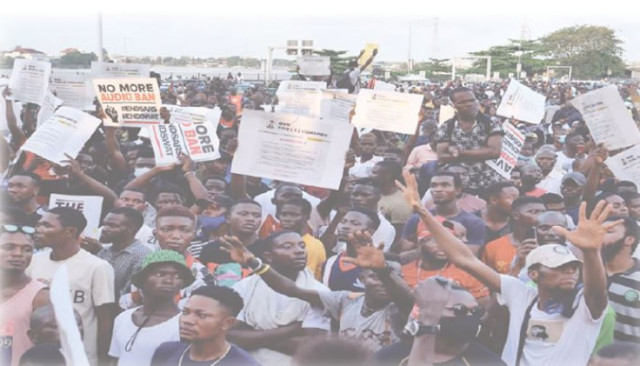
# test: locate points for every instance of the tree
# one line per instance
(504, 58)
(435, 69)
(339, 62)
(78, 59)
(594, 52)
(6, 62)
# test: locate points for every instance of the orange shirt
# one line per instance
(537, 193)
(498, 254)
(237, 101)
(413, 274)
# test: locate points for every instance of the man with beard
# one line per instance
(23, 189)
(551, 178)
(624, 272)
(531, 176)
(572, 316)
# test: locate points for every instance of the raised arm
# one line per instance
(96, 187)
(17, 135)
(142, 181)
(589, 237)
(195, 186)
(369, 61)
(115, 157)
(279, 283)
(593, 178)
(457, 251)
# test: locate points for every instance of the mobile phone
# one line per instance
(531, 234)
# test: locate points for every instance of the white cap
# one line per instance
(551, 255)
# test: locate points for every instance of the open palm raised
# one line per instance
(368, 255)
(589, 233)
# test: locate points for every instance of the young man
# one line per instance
(282, 194)
(138, 332)
(445, 190)
(175, 230)
(91, 279)
(391, 204)
(365, 317)
(572, 189)
(623, 271)
(497, 215)
(23, 189)
(21, 295)
(574, 145)
(294, 216)
(470, 139)
(271, 326)
(126, 253)
(243, 222)
(531, 177)
(557, 322)
(551, 178)
(499, 253)
(365, 195)
(467, 200)
(555, 202)
(339, 275)
(206, 319)
(367, 159)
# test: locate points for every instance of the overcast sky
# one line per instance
(247, 28)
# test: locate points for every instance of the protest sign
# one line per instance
(300, 97)
(388, 111)
(72, 87)
(48, 107)
(382, 86)
(522, 103)
(292, 148)
(626, 165)
(29, 80)
(71, 345)
(336, 106)
(65, 132)
(130, 102)
(105, 70)
(90, 206)
(314, 65)
(607, 118)
(446, 113)
(192, 131)
(512, 142)
(368, 52)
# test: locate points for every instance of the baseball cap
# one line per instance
(577, 177)
(161, 257)
(551, 255)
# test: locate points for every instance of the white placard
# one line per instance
(71, 345)
(65, 132)
(167, 143)
(292, 148)
(512, 142)
(102, 70)
(73, 87)
(382, 86)
(607, 118)
(336, 106)
(90, 206)
(29, 80)
(196, 139)
(314, 65)
(193, 114)
(522, 103)
(626, 165)
(300, 97)
(48, 107)
(388, 111)
(446, 113)
(130, 102)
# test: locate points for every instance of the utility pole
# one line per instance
(100, 47)
(409, 62)
(435, 38)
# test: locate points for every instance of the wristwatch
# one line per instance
(415, 329)
(254, 264)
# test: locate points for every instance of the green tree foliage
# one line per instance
(339, 62)
(78, 59)
(504, 58)
(434, 69)
(592, 51)
(6, 62)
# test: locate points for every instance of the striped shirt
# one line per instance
(624, 297)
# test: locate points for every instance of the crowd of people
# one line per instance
(425, 255)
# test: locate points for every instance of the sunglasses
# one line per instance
(463, 310)
(14, 229)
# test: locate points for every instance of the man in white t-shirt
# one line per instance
(562, 319)
(91, 279)
(364, 163)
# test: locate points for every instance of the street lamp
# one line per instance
(519, 53)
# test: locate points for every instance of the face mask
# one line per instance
(562, 138)
(459, 330)
(139, 171)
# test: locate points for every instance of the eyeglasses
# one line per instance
(463, 310)
(14, 229)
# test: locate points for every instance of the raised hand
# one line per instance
(368, 255)
(237, 251)
(432, 295)
(6, 92)
(73, 165)
(187, 163)
(410, 191)
(590, 232)
(600, 154)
